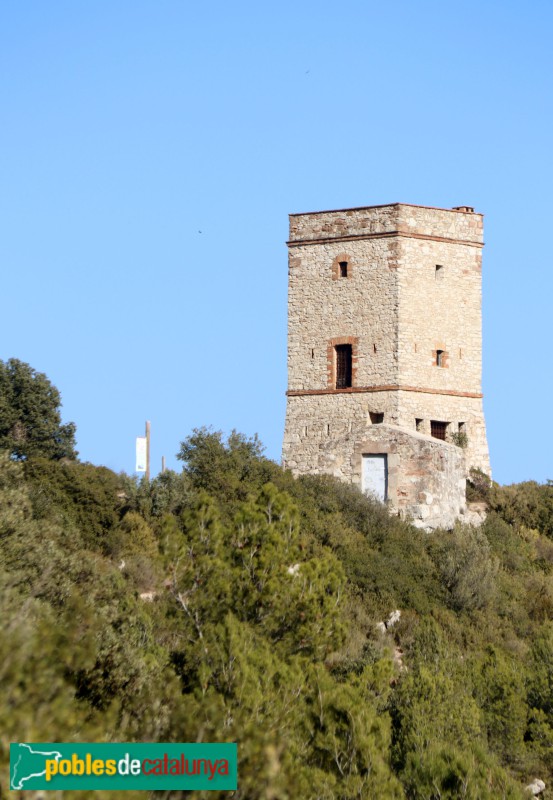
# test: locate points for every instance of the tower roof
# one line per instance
(455, 209)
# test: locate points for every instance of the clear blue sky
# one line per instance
(128, 127)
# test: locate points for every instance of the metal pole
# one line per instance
(162, 464)
(147, 451)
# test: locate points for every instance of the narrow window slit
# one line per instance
(343, 366)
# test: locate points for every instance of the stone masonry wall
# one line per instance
(401, 284)
(454, 410)
(364, 305)
(440, 309)
(315, 421)
(339, 224)
(403, 217)
(426, 477)
(312, 421)
(440, 290)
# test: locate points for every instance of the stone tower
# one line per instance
(385, 353)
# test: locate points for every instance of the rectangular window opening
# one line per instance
(439, 358)
(343, 269)
(377, 417)
(343, 366)
(462, 427)
(418, 424)
(438, 429)
(439, 274)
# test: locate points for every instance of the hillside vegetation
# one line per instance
(233, 602)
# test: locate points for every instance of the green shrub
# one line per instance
(478, 486)
(529, 504)
(88, 497)
(466, 566)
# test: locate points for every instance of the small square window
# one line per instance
(377, 417)
(438, 429)
(342, 267)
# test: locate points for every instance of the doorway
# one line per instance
(375, 476)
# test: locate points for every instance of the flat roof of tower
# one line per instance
(455, 210)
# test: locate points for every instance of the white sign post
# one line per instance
(141, 454)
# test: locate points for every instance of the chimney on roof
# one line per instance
(466, 209)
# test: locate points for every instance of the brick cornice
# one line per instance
(383, 388)
(383, 235)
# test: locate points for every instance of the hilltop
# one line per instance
(234, 602)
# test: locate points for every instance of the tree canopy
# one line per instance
(30, 420)
(234, 602)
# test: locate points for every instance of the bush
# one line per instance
(466, 566)
(529, 504)
(88, 497)
(478, 486)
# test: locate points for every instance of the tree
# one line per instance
(467, 567)
(30, 421)
(228, 469)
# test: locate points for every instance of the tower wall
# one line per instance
(400, 286)
(323, 308)
(440, 308)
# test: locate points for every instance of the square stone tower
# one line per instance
(385, 353)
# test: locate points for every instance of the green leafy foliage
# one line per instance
(499, 688)
(233, 602)
(529, 504)
(225, 468)
(90, 498)
(30, 421)
(479, 486)
(466, 566)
